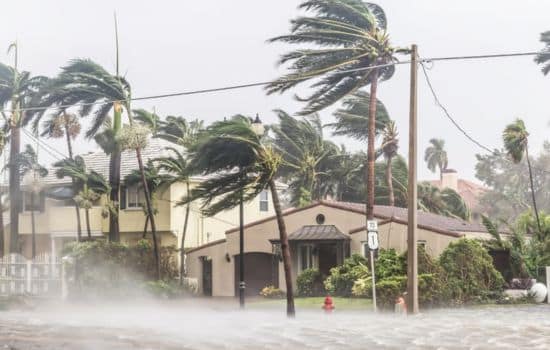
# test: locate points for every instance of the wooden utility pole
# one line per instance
(412, 251)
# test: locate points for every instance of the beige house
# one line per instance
(321, 235)
(56, 222)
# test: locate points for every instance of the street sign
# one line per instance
(372, 240)
(372, 225)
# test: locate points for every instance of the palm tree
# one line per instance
(3, 206)
(180, 131)
(28, 164)
(243, 166)
(64, 124)
(445, 202)
(17, 90)
(352, 35)
(436, 157)
(516, 139)
(543, 57)
(178, 171)
(84, 81)
(306, 156)
(390, 145)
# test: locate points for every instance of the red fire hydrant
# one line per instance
(328, 306)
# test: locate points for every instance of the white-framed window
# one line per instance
(264, 201)
(134, 197)
(366, 249)
(306, 256)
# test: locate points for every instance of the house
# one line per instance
(468, 190)
(321, 235)
(56, 222)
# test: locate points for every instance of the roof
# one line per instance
(426, 220)
(317, 232)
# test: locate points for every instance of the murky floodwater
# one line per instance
(191, 325)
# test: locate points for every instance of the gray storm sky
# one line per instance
(169, 46)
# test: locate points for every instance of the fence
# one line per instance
(40, 276)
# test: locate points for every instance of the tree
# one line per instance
(306, 155)
(436, 157)
(352, 35)
(244, 166)
(445, 202)
(390, 145)
(516, 137)
(3, 206)
(543, 58)
(84, 81)
(17, 91)
(27, 162)
(64, 124)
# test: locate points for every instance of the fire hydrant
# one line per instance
(328, 306)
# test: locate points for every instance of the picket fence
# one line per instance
(41, 276)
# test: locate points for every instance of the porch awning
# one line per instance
(318, 233)
(60, 193)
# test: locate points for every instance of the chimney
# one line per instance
(449, 179)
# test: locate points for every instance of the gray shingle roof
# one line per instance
(317, 232)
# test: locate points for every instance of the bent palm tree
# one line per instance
(352, 35)
(241, 166)
(84, 81)
(390, 145)
(516, 139)
(436, 157)
(59, 125)
(17, 90)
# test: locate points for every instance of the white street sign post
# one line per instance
(372, 242)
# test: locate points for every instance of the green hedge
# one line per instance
(309, 283)
(342, 278)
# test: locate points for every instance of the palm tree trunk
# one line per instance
(114, 182)
(533, 190)
(2, 241)
(145, 226)
(370, 147)
(87, 213)
(285, 249)
(149, 210)
(183, 234)
(15, 187)
(33, 227)
(75, 189)
(389, 180)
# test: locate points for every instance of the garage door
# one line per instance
(260, 270)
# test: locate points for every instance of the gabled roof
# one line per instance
(317, 232)
(425, 220)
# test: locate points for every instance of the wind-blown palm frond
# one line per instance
(180, 131)
(435, 155)
(543, 58)
(515, 138)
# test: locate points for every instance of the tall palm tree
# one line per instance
(390, 145)
(64, 124)
(28, 165)
(17, 90)
(352, 36)
(306, 156)
(84, 81)
(436, 156)
(177, 171)
(516, 144)
(243, 166)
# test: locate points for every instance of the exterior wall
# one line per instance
(223, 272)
(394, 235)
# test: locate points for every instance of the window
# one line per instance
(306, 257)
(134, 197)
(421, 243)
(28, 204)
(320, 219)
(264, 201)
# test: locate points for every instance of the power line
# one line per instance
(459, 127)
(254, 84)
(44, 145)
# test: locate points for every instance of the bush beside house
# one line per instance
(309, 283)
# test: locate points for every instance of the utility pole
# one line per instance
(412, 251)
(241, 253)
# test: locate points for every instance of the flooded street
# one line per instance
(191, 325)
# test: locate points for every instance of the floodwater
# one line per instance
(199, 324)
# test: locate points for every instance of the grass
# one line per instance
(314, 303)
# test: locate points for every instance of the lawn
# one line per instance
(314, 303)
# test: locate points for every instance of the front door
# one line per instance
(327, 258)
(207, 277)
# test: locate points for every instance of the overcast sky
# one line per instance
(169, 46)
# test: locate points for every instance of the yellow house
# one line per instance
(320, 236)
(56, 224)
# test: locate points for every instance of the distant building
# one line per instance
(468, 190)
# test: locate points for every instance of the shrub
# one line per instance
(164, 289)
(389, 264)
(389, 289)
(342, 278)
(362, 288)
(309, 283)
(272, 292)
(468, 273)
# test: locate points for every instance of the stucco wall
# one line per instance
(223, 272)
